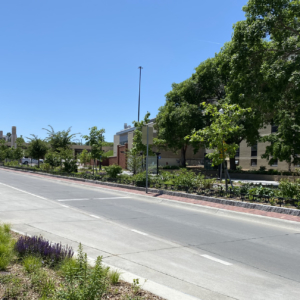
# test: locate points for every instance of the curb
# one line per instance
(262, 207)
(155, 288)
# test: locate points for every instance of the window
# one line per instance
(275, 164)
(254, 150)
(237, 153)
(253, 162)
(274, 128)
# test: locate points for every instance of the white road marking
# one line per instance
(95, 216)
(23, 191)
(72, 199)
(217, 260)
(140, 232)
(65, 206)
(110, 198)
(87, 199)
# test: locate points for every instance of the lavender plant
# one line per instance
(52, 253)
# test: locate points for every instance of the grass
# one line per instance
(6, 246)
(114, 277)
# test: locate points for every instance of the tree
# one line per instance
(69, 163)
(59, 139)
(134, 161)
(285, 143)
(37, 148)
(84, 157)
(223, 127)
(265, 72)
(3, 149)
(52, 158)
(95, 139)
(8, 135)
(19, 150)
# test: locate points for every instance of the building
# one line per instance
(123, 141)
(248, 157)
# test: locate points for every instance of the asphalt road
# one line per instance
(201, 253)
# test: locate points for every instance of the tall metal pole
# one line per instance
(147, 161)
(139, 92)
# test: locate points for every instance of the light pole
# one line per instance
(139, 92)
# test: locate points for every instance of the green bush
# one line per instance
(290, 189)
(140, 179)
(32, 263)
(83, 281)
(113, 171)
(185, 178)
(262, 168)
(6, 246)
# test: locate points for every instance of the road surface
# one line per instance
(206, 254)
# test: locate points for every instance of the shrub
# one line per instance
(185, 178)
(114, 277)
(45, 167)
(290, 189)
(6, 246)
(262, 168)
(82, 281)
(52, 253)
(140, 179)
(113, 171)
(32, 263)
(239, 168)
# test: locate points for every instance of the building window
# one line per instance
(274, 128)
(254, 150)
(237, 153)
(275, 163)
(253, 162)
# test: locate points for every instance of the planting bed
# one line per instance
(33, 276)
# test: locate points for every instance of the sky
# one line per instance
(75, 63)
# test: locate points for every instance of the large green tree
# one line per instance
(265, 71)
(173, 123)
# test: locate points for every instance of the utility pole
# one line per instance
(139, 92)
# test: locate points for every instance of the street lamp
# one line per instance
(157, 155)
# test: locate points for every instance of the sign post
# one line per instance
(147, 159)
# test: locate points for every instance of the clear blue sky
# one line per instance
(75, 63)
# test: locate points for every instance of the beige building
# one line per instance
(249, 158)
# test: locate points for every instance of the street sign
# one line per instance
(159, 157)
(144, 135)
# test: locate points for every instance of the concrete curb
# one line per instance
(262, 207)
(147, 285)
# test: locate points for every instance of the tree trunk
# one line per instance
(232, 163)
(182, 158)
